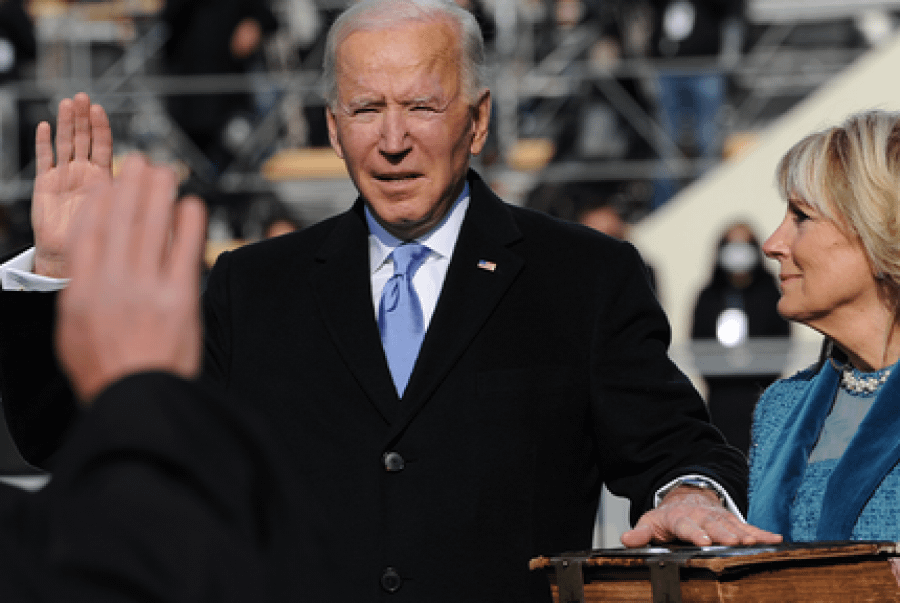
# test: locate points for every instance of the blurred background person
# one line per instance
(270, 216)
(606, 209)
(280, 224)
(604, 118)
(736, 307)
(605, 217)
(696, 43)
(310, 52)
(18, 51)
(605, 206)
(825, 463)
(215, 37)
(18, 45)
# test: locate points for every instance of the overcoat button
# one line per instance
(391, 580)
(393, 462)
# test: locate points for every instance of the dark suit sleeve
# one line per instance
(652, 423)
(37, 400)
(163, 492)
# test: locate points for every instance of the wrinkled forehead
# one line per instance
(420, 58)
(433, 35)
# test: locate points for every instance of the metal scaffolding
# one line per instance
(114, 56)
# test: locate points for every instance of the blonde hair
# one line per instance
(850, 173)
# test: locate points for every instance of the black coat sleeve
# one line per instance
(163, 492)
(37, 399)
(652, 423)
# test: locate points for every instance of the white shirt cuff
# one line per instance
(18, 275)
(729, 503)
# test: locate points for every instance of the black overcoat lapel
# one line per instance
(481, 271)
(342, 287)
(470, 293)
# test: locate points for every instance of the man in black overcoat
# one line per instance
(542, 375)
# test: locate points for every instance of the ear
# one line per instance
(333, 136)
(481, 117)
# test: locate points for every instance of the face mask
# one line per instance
(738, 257)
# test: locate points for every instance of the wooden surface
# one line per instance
(832, 573)
(294, 164)
(110, 9)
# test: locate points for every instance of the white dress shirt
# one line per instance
(18, 274)
(429, 278)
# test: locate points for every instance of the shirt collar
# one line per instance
(441, 239)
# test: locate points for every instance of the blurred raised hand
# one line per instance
(82, 161)
(133, 303)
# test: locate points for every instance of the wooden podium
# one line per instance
(822, 572)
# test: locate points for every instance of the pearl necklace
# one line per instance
(862, 385)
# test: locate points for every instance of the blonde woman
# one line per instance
(826, 441)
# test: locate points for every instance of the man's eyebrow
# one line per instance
(437, 101)
(430, 98)
(361, 101)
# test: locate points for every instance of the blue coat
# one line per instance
(856, 497)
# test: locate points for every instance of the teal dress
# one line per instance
(821, 469)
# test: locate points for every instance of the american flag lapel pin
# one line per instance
(486, 265)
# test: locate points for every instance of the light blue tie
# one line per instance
(400, 314)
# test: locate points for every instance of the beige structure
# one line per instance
(679, 239)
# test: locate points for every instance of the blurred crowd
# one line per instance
(650, 82)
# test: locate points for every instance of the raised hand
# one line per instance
(83, 160)
(133, 302)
